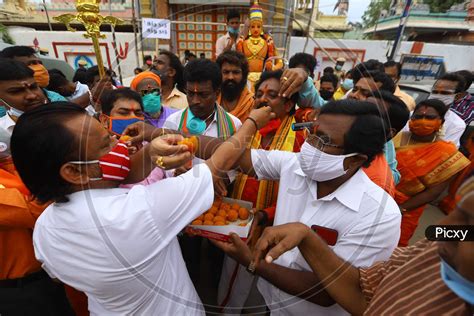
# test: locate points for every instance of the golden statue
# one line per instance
(89, 16)
(257, 46)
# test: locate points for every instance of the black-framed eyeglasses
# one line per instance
(148, 91)
(320, 142)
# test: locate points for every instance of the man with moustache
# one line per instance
(168, 66)
(235, 97)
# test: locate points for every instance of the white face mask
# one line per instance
(447, 99)
(320, 166)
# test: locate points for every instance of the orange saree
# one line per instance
(423, 166)
(448, 204)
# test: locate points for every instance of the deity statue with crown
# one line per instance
(257, 46)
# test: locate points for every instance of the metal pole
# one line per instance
(309, 26)
(286, 53)
(47, 15)
(134, 25)
(401, 29)
(117, 62)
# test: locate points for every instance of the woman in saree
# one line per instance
(426, 163)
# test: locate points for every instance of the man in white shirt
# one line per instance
(324, 185)
(19, 92)
(446, 88)
(228, 40)
(116, 245)
(68, 89)
(203, 116)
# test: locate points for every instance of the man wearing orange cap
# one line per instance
(148, 85)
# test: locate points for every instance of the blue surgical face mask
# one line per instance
(11, 110)
(3, 111)
(232, 31)
(338, 67)
(15, 112)
(461, 286)
(348, 84)
(118, 124)
(152, 103)
(195, 125)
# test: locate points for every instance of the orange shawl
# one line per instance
(244, 105)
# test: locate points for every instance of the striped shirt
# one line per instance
(464, 108)
(410, 283)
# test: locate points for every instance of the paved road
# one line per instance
(430, 216)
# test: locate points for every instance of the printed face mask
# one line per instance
(115, 165)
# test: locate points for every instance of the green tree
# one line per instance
(372, 13)
(6, 38)
(441, 6)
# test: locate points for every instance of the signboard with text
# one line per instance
(156, 28)
(421, 67)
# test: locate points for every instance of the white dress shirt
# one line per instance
(119, 246)
(366, 218)
(80, 90)
(7, 124)
(453, 128)
(222, 42)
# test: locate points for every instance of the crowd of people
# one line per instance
(97, 189)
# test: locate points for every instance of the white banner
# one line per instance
(156, 28)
